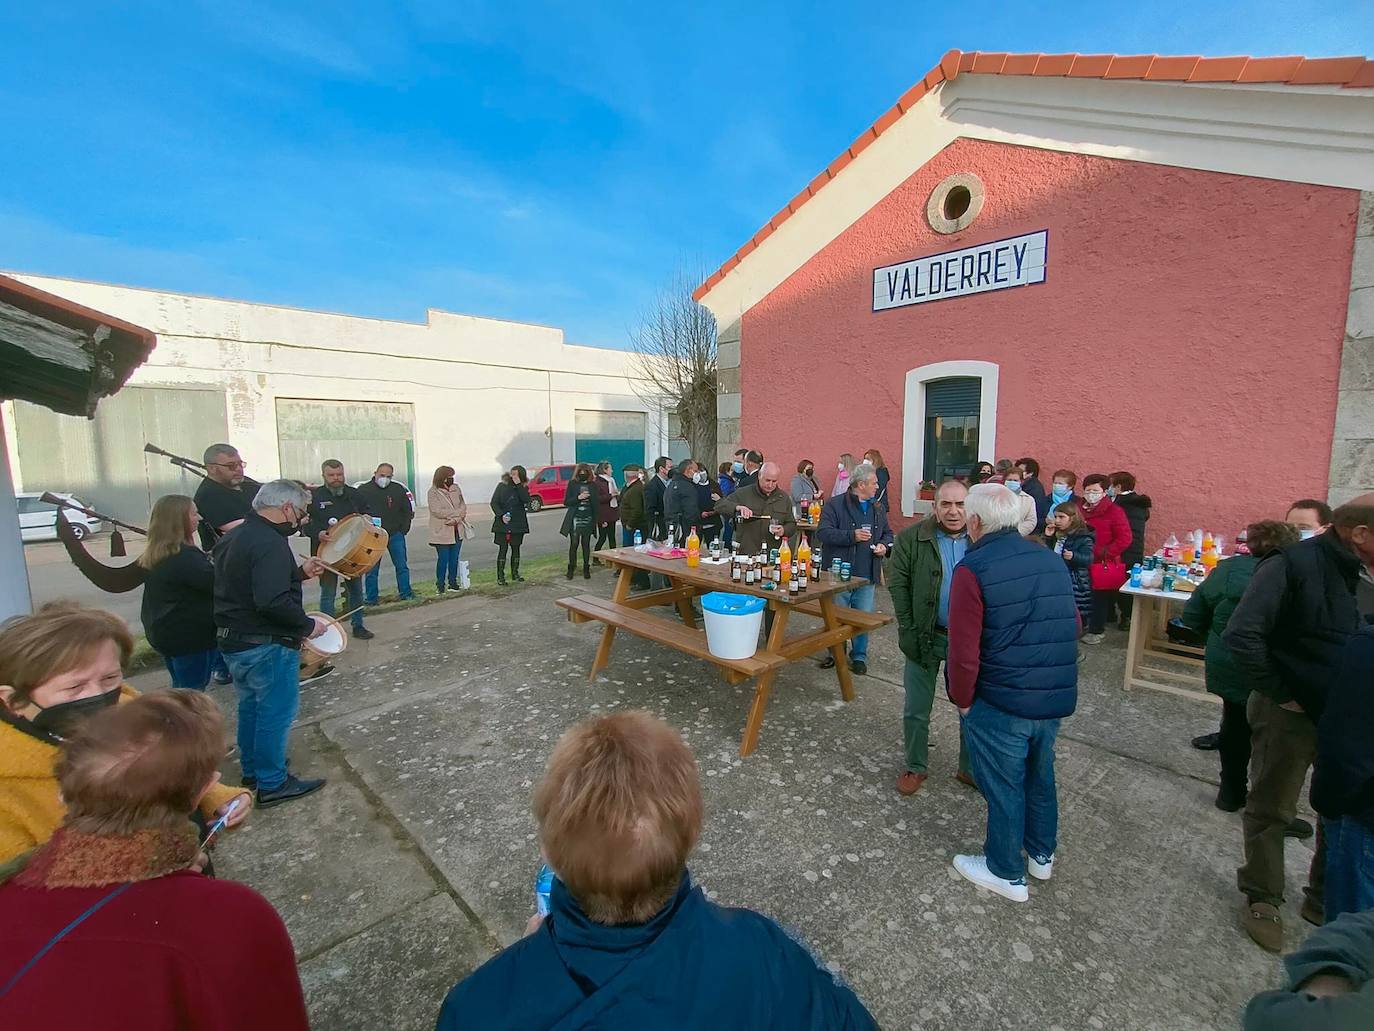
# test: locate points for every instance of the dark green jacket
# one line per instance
(913, 577)
(632, 514)
(1208, 611)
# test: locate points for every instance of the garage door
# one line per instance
(102, 460)
(360, 434)
(617, 437)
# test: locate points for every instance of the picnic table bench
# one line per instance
(630, 613)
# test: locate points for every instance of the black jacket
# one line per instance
(178, 610)
(391, 504)
(654, 496)
(1137, 509)
(1035, 490)
(840, 517)
(580, 515)
(1292, 623)
(258, 584)
(218, 505)
(1343, 778)
(509, 499)
(682, 505)
(326, 510)
(746, 478)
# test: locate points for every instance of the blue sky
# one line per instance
(540, 162)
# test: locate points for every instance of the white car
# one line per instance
(38, 519)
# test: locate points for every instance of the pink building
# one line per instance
(1159, 264)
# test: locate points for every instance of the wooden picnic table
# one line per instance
(627, 611)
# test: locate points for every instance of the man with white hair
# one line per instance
(1012, 671)
(854, 529)
(260, 624)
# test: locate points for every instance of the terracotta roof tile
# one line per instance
(1348, 72)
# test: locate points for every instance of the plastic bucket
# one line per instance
(732, 624)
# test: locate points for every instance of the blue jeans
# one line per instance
(353, 597)
(860, 598)
(1013, 762)
(218, 665)
(396, 548)
(1349, 867)
(446, 565)
(192, 672)
(268, 680)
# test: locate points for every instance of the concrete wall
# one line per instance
(1190, 329)
(487, 394)
(1352, 451)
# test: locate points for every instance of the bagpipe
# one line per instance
(111, 579)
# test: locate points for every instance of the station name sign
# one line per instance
(999, 265)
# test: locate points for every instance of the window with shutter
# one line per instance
(951, 427)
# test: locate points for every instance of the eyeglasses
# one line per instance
(240, 464)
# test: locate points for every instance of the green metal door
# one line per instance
(616, 437)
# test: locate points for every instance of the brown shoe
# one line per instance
(966, 780)
(1264, 925)
(909, 783)
(1312, 911)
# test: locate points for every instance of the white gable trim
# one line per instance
(1296, 134)
(914, 419)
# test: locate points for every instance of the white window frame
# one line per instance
(914, 420)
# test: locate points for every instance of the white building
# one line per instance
(290, 388)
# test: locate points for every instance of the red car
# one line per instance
(549, 484)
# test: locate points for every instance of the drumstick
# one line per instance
(327, 566)
(349, 613)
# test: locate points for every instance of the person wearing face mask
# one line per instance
(982, 472)
(1137, 508)
(261, 625)
(579, 519)
(390, 502)
(330, 503)
(748, 471)
(448, 527)
(110, 923)
(804, 485)
(1112, 536)
(845, 468)
(1288, 636)
(1011, 479)
(59, 666)
(510, 503)
(1030, 484)
(607, 506)
(1309, 517)
(707, 496)
(1062, 486)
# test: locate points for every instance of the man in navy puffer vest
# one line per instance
(1012, 671)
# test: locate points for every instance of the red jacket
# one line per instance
(1112, 528)
(178, 951)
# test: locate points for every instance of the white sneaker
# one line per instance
(1040, 871)
(975, 869)
(1094, 638)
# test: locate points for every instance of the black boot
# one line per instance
(586, 570)
(501, 572)
(441, 587)
(515, 571)
(572, 568)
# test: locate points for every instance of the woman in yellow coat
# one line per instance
(57, 667)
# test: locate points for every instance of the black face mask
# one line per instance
(286, 529)
(448, 482)
(61, 720)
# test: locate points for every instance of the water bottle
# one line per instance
(639, 538)
(543, 886)
(1135, 575)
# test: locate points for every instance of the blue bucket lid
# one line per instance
(731, 604)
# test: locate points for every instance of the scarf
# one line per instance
(76, 859)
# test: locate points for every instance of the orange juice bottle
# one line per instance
(814, 511)
(803, 555)
(1188, 553)
(693, 549)
(785, 561)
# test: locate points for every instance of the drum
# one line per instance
(355, 545)
(316, 651)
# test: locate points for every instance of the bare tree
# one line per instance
(674, 363)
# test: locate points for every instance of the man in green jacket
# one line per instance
(919, 576)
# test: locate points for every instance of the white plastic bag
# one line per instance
(464, 580)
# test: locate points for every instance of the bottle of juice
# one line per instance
(815, 511)
(804, 554)
(693, 549)
(1189, 552)
(785, 561)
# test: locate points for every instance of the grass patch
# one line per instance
(543, 570)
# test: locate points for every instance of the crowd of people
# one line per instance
(109, 800)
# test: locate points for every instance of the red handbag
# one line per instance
(1107, 576)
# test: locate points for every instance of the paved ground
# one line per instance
(416, 862)
(52, 575)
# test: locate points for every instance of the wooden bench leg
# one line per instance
(837, 650)
(755, 722)
(603, 652)
(684, 608)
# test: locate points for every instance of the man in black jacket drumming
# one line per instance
(329, 504)
(1289, 633)
(260, 624)
(389, 501)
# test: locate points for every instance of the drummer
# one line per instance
(260, 624)
(329, 504)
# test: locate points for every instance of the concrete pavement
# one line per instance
(417, 861)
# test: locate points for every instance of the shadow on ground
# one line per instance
(416, 861)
